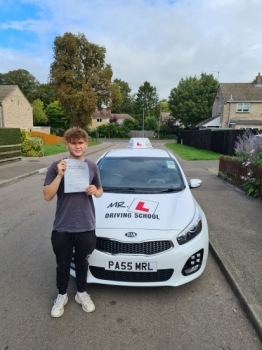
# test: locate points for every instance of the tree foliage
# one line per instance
(46, 93)
(116, 98)
(39, 116)
(191, 102)
(56, 116)
(164, 106)
(130, 124)
(126, 102)
(151, 123)
(111, 130)
(80, 76)
(147, 99)
(27, 83)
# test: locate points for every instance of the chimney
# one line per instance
(259, 79)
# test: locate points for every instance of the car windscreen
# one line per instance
(140, 174)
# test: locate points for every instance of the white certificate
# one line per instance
(76, 176)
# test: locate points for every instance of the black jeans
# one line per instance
(63, 245)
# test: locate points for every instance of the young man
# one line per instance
(74, 224)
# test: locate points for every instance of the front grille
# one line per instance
(143, 248)
(123, 276)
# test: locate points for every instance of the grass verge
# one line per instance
(191, 153)
(54, 149)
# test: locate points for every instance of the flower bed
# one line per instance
(246, 175)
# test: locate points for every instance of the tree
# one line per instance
(164, 106)
(26, 82)
(116, 98)
(147, 99)
(126, 103)
(46, 93)
(111, 130)
(39, 116)
(130, 124)
(191, 102)
(151, 123)
(56, 116)
(80, 76)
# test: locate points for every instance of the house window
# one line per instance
(243, 107)
(99, 120)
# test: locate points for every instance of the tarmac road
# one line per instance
(204, 314)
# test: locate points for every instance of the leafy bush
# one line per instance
(25, 134)
(32, 147)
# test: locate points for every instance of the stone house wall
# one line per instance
(95, 123)
(17, 112)
(239, 120)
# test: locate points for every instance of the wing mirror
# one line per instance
(194, 183)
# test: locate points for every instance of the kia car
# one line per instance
(150, 229)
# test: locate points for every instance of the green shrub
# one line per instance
(10, 137)
(25, 134)
(32, 147)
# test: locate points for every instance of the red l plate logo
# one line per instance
(140, 206)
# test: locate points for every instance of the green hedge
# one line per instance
(10, 136)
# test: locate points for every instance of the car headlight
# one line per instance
(192, 230)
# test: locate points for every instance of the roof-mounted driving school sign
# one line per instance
(139, 142)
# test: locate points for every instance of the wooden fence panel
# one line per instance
(217, 140)
(235, 170)
(47, 138)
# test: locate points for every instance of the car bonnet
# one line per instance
(166, 211)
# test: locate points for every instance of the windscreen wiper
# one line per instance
(119, 189)
(169, 190)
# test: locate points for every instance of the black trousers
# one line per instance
(64, 244)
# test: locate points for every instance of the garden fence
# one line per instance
(235, 170)
(48, 139)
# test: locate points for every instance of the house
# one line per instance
(167, 119)
(105, 116)
(237, 106)
(15, 109)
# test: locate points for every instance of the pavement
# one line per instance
(234, 221)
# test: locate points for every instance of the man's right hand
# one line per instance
(61, 168)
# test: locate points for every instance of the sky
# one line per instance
(159, 41)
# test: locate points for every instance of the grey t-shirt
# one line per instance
(75, 212)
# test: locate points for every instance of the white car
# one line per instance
(150, 229)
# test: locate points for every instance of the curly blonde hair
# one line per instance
(74, 134)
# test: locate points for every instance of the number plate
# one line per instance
(131, 266)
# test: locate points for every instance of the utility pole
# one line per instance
(143, 133)
(159, 122)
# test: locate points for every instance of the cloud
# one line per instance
(160, 41)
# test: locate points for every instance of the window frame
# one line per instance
(245, 107)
